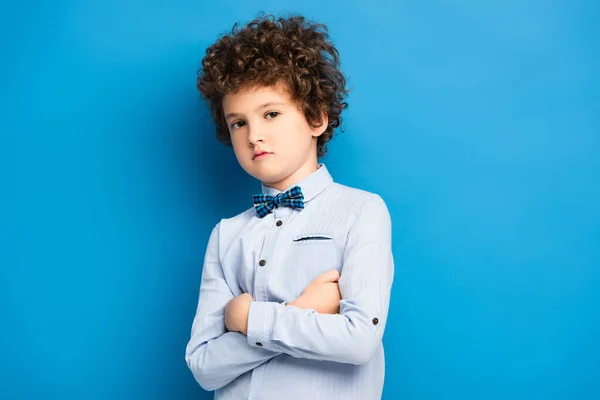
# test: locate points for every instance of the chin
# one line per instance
(261, 173)
(270, 172)
(269, 178)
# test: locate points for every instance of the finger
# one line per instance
(330, 276)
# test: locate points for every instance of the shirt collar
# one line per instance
(311, 186)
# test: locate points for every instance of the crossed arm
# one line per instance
(233, 335)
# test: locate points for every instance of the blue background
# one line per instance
(477, 122)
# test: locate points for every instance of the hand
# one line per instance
(322, 294)
(236, 313)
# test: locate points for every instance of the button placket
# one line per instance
(260, 278)
(281, 215)
(278, 216)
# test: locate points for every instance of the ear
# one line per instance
(320, 129)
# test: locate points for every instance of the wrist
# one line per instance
(246, 317)
(296, 303)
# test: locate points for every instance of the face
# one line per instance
(266, 119)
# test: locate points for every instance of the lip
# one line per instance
(261, 154)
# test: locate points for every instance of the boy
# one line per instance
(295, 290)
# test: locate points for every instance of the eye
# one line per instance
(236, 125)
(272, 114)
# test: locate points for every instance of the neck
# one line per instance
(305, 170)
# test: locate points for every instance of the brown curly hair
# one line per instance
(268, 51)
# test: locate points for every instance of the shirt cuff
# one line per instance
(261, 318)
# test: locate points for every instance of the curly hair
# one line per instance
(268, 51)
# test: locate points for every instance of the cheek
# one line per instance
(303, 137)
(241, 151)
(239, 143)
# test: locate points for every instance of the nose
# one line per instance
(254, 136)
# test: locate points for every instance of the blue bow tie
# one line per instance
(265, 203)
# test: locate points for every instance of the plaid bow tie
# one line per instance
(265, 203)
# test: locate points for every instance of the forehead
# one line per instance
(250, 98)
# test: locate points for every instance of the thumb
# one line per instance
(330, 276)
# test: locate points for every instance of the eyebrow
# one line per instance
(267, 104)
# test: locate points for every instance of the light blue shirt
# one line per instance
(290, 353)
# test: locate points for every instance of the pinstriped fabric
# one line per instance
(288, 352)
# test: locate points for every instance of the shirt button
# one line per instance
(375, 321)
(262, 263)
(259, 344)
(279, 223)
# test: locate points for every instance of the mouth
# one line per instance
(261, 155)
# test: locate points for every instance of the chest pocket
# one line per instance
(313, 239)
(310, 254)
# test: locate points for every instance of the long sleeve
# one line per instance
(353, 335)
(214, 355)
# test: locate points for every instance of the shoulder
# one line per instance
(354, 199)
(357, 207)
(227, 229)
(236, 222)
